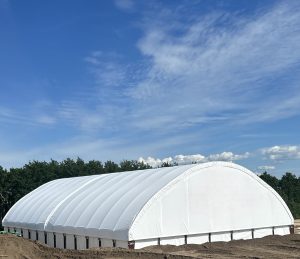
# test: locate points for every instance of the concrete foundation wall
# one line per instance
(59, 240)
(147, 242)
(220, 237)
(121, 243)
(41, 237)
(106, 242)
(262, 232)
(70, 241)
(25, 233)
(93, 242)
(32, 234)
(281, 231)
(243, 234)
(81, 242)
(197, 239)
(50, 239)
(177, 241)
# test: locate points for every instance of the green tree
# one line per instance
(111, 167)
(288, 187)
(131, 165)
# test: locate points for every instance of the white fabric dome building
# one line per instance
(189, 204)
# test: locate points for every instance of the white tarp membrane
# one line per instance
(175, 204)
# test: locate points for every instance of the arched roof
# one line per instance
(132, 205)
(211, 197)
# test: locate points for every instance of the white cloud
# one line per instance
(188, 159)
(196, 158)
(199, 69)
(46, 119)
(106, 68)
(266, 167)
(125, 5)
(155, 162)
(279, 153)
(228, 156)
(8, 115)
(82, 117)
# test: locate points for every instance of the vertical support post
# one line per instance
(54, 240)
(292, 229)
(87, 245)
(75, 242)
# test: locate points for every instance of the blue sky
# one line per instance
(151, 80)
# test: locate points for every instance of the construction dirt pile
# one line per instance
(297, 226)
(267, 247)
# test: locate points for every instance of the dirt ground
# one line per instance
(297, 226)
(267, 247)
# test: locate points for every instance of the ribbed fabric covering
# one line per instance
(102, 205)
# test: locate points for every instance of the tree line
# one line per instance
(288, 187)
(17, 182)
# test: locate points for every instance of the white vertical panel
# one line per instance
(41, 237)
(177, 241)
(122, 243)
(106, 242)
(93, 242)
(70, 241)
(50, 239)
(32, 234)
(25, 233)
(262, 232)
(81, 242)
(242, 234)
(282, 231)
(59, 240)
(147, 242)
(197, 239)
(6, 229)
(224, 236)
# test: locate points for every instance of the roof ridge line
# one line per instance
(67, 197)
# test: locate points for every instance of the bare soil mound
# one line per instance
(297, 226)
(267, 247)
